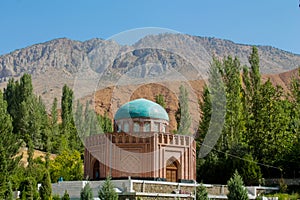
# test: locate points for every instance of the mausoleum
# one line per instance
(141, 147)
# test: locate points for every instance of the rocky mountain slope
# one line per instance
(97, 64)
(97, 54)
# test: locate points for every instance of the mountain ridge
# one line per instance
(82, 65)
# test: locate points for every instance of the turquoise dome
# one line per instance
(141, 108)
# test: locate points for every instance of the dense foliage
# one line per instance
(260, 135)
(25, 122)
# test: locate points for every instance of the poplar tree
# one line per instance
(160, 100)
(234, 126)
(54, 128)
(205, 112)
(185, 117)
(69, 136)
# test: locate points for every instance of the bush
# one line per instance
(66, 196)
(282, 196)
(55, 197)
(201, 193)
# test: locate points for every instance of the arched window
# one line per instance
(146, 127)
(126, 127)
(136, 127)
(119, 127)
(155, 127)
(163, 128)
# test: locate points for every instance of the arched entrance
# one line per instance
(172, 171)
(96, 170)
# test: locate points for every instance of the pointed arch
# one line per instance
(96, 170)
(172, 170)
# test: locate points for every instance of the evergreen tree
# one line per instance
(66, 196)
(46, 188)
(79, 120)
(105, 123)
(215, 105)
(234, 126)
(9, 147)
(107, 191)
(205, 109)
(30, 119)
(11, 95)
(236, 188)
(252, 98)
(66, 116)
(28, 189)
(185, 117)
(55, 197)
(201, 192)
(86, 193)
(160, 100)
(54, 128)
(69, 137)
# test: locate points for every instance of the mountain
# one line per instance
(97, 64)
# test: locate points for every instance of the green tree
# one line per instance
(11, 96)
(79, 120)
(201, 192)
(236, 188)
(185, 117)
(69, 137)
(68, 165)
(245, 164)
(234, 126)
(86, 193)
(160, 100)
(9, 147)
(271, 138)
(54, 128)
(30, 119)
(205, 111)
(55, 197)
(46, 188)
(28, 189)
(105, 123)
(107, 191)
(66, 196)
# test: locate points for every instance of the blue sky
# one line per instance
(258, 22)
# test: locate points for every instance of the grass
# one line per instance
(285, 196)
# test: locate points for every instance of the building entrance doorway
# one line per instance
(172, 171)
(96, 170)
